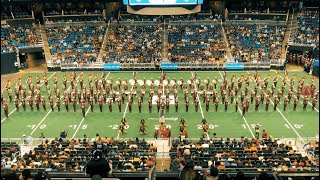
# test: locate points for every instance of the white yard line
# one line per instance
(245, 120)
(26, 99)
(285, 119)
(195, 86)
(80, 123)
(51, 110)
(287, 82)
(125, 110)
(78, 127)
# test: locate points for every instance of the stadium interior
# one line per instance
(174, 49)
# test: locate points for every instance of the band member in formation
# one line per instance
(275, 103)
(176, 104)
(295, 103)
(31, 102)
(119, 103)
(237, 105)
(150, 104)
(305, 103)
(226, 105)
(207, 103)
(83, 108)
(16, 103)
(5, 107)
(110, 105)
(130, 105)
(66, 103)
(74, 104)
(257, 103)
(139, 105)
(196, 104)
(314, 102)
(51, 104)
(37, 102)
(267, 103)
(216, 103)
(187, 104)
(43, 102)
(91, 104)
(58, 103)
(244, 106)
(285, 103)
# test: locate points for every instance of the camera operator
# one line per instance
(98, 165)
(63, 134)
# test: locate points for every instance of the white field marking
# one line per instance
(125, 111)
(194, 83)
(84, 116)
(26, 99)
(80, 123)
(51, 110)
(286, 120)
(287, 82)
(245, 120)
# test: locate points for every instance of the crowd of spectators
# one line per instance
(13, 36)
(307, 31)
(71, 155)
(227, 153)
(195, 43)
(252, 43)
(77, 19)
(134, 44)
(75, 44)
(52, 12)
(257, 17)
(195, 17)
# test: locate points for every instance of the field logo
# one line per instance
(171, 99)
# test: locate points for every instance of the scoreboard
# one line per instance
(162, 2)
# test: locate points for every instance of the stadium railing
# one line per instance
(181, 65)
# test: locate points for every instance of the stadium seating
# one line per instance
(17, 36)
(195, 43)
(228, 153)
(249, 43)
(72, 155)
(75, 44)
(307, 31)
(134, 44)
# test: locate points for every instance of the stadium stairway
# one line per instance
(291, 24)
(226, 44)
(46, 46)
(165, 40)
(104, 43)
(163, 159)
(39, 38)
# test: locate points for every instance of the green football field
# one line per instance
(280, 124)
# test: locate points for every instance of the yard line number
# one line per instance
(116, 126)
(74, 126)
(211, 126)
(32, 126)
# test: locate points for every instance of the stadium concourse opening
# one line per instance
(160, 89)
